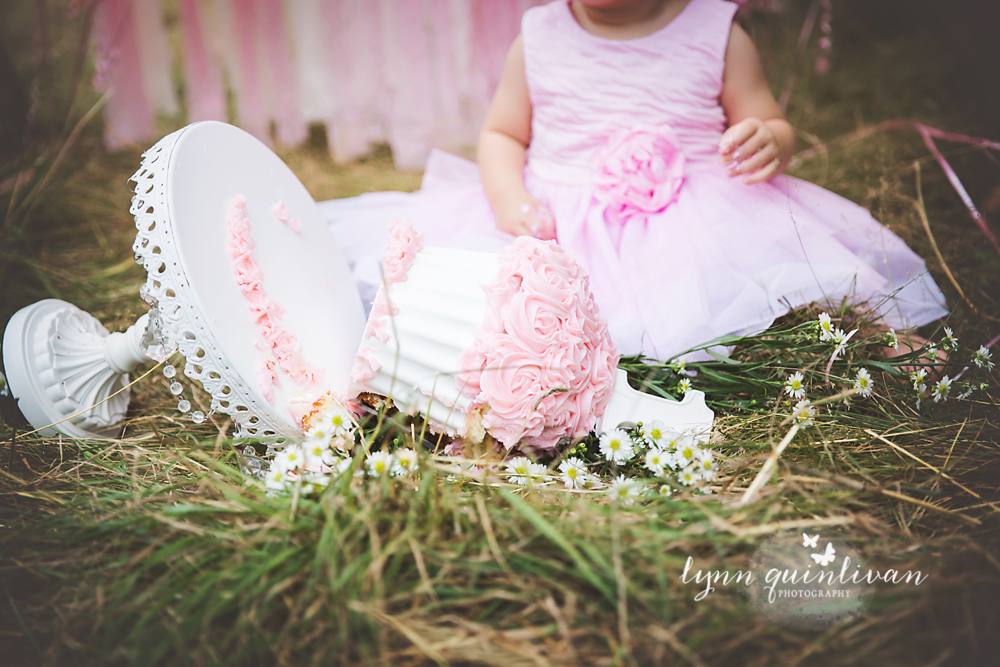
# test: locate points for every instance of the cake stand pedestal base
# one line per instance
(66, 372)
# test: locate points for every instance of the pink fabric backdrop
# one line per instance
(412, 73)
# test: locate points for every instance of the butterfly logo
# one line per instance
(809, 542)
(825, 559)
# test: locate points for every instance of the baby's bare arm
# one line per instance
(759, 139)
(503, 144)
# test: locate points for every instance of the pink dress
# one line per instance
(624, 151)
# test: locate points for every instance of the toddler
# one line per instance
(641, 135)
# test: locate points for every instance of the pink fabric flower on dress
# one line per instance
(639, 173)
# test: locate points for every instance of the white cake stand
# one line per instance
(67, 374)
(183, 193)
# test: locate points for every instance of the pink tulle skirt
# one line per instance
(723, 258)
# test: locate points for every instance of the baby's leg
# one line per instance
(910, 342)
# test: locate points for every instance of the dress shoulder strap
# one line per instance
(541, 20)
(545, 36)
(701, 31)
(707, 24)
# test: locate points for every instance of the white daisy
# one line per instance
(655, 461)
(341, 465)
(863, 383)
(276, 480)
(317, 479)
(655, 432)
(688, 476)
(982, 358)
(892, 340)
(684, 386)
(965, 394)
(330, 457)
(574, 472)
(950, 342)
(320, 430)
(706, 465)
(671, 444)
(289, 458)
(340, 419)
(941, 389)
(917, 378)
(314, 450)
(804, 418)
(825, 328)
(678, 366)
(405, 463)
(313, 486)
(921, 390)
(519, 471)
(617, 446)
(794, 386)
(841, 339)
(379, 463)
(685, 452)
(537, 472)
(665, 490)
(624, 490)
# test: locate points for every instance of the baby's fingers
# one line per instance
(540, 221)
(758, 142)
(763, 174)
(755, 161)
(517, 226)
(737, 135)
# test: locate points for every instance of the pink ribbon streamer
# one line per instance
(929, 134)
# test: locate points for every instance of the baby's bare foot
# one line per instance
(908, 343)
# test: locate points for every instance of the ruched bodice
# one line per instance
(583, 87)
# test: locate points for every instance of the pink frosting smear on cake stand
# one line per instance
(542, 361)
(280, 346)
(285, 216)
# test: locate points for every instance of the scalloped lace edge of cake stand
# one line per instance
(181, 319)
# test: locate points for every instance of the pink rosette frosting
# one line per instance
(404, 244)
(542, 360)
(639, 173)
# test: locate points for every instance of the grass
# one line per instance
(152, 548)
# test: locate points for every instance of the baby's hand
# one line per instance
(526, 216)
(750, 146)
